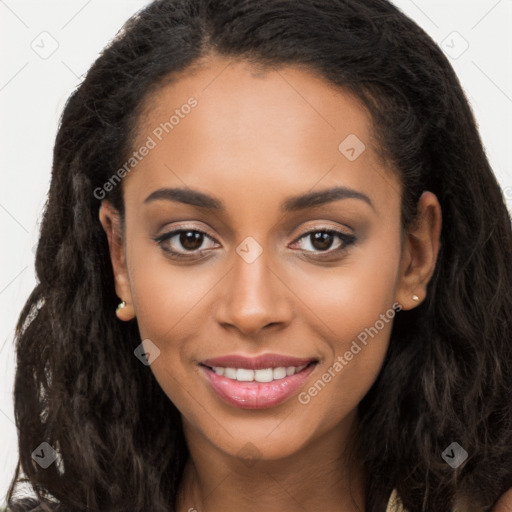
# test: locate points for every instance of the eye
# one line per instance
(188, 243)
(183, 243)
(321, 240)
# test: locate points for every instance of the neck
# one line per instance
(317, 477)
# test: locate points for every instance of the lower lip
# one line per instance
(256, 395)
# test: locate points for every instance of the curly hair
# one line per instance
(447, 373)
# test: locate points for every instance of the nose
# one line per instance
(254, 297)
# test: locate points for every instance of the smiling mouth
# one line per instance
(261, 375)
(261, 388)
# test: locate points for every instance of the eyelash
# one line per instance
(345, 238)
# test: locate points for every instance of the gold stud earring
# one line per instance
(415, 297)
(124, 311)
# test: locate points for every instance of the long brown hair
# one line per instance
(447, 375)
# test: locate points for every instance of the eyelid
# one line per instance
(174, 230)
(323, 227)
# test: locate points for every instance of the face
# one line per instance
(236, 255)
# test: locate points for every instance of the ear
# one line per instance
(420, 251)
(111, 221)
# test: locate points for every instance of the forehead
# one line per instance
(227, 125)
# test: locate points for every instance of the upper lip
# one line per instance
(257, 363)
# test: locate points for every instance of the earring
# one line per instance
(415, 297)
(124, 311)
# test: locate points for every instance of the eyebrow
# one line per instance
(291, 204)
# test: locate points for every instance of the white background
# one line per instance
(33, 91)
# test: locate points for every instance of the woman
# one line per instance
(274, 274)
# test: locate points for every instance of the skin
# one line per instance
(505, 502)
(254, 140)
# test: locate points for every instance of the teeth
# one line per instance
(264, 375)
(279, 373)
(290, 370)
(244, 375)
(230, 373)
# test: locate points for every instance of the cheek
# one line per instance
(351, 296)
(165, 294)
(353, 305)
(169, 304)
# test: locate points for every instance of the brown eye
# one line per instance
(322, 240)
(191, 240)
(182, 241)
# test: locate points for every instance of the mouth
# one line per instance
(256, 383)
(257, 375)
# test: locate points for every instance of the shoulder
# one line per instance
(504, 503)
